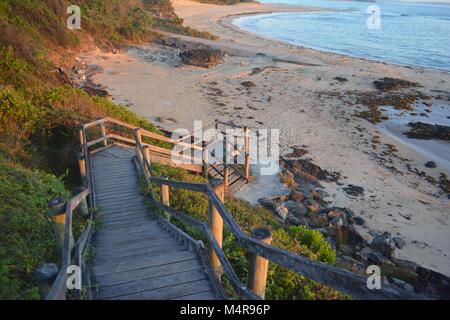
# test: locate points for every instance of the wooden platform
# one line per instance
(135, 257)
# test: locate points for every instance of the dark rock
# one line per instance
(354, 238)
(388, 84)
(346, 213)
(359, 221)
(296, 196)
(331, 240)
(304, 168)
(307, 194)
(297, 209)
(351, 264)
(374, 257)
(432, 283)
(353, 190)
(322, 193)
(337, 222)
(297, 152)
(383, 243)
(334, 213)
(281, 210)
(248, 84)
(296, 220)
(203, 57)
(399, 242)
(267, 202)
(430, 164)
(426, 131)
(341, 79)
(94, 90)
(402, 284)
(311, 205)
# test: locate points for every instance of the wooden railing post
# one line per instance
(82, 165)
(139, 137)
(216, 224)
(257, 272)
(225, 177)
(165, 197)
(82, 140)
(103, 133)
(147, 156)
(205, 160)
(57, 212)
(247, 153)
(83, 206)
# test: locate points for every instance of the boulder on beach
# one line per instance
(204, 57)
(281, 210)
(387, 84)
(430, 164)
(426, 131)
(384, 244)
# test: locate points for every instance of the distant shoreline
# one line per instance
(230, 22)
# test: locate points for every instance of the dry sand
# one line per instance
(286, 97)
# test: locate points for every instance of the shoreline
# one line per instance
(228, 22)
(308, 105)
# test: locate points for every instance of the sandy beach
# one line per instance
(296, 91)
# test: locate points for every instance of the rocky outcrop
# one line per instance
(384, 244)
(421, 130)
(388, 84)
(202, 57)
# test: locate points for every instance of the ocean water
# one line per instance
(416, 34)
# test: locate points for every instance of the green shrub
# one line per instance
(26, 238)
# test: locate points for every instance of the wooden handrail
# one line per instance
(340, 279)
(59, 287)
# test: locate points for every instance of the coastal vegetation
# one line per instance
(41, 112)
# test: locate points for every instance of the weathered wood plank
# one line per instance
(129, 239)
(127, 232)
(206, 295)
(147, 273)
(132, 199)
(168, 292)
(106, 251)
(109, 216)
(139, 253)
(152, 284)
(142, 262)
(121, 208)
(124, 223)
(119, 194)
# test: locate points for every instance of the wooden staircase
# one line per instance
(142, 255)
(235, 179)
(137, 255)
